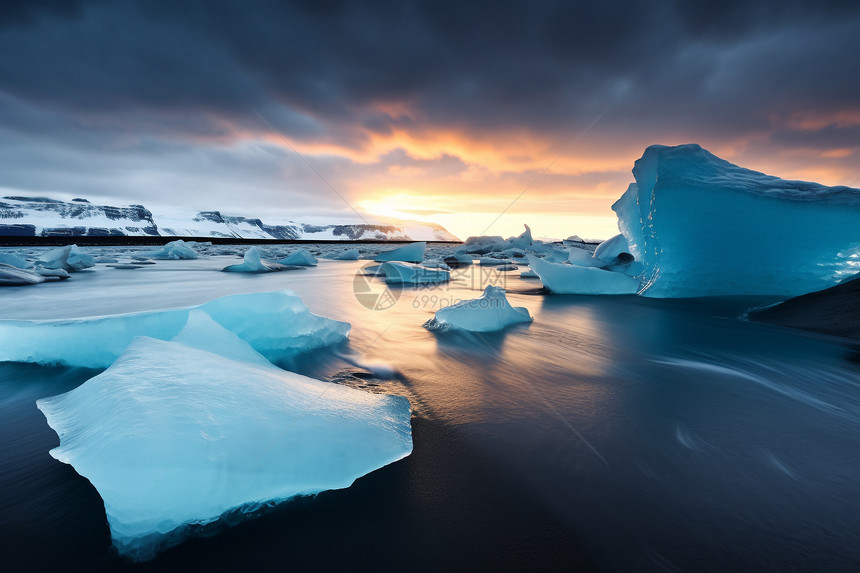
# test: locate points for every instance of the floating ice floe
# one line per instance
(411, 274)
(14, 260)
(299, 258)
(13, 276)
(276, 324)
(251, 263)
(348, 255)
(529, 274)
(173, 250)
(702, 226)
(491, 311)
(178, 433)
(69, 258)
(458, 259)
(413, 253)
(488, 244)
(574, 279)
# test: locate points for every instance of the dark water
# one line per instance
(613, 433)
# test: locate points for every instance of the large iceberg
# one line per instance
(561, 278)
(173, 436)
(413, 253)
(703, 226)
(491, 311)
(276, 324)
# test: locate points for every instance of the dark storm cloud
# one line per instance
(151, 75)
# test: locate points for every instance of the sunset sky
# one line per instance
(440, 111)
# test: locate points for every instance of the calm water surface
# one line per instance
(612, 433)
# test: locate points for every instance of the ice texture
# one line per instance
(276, 324)
(69, 258)
(299, 258)
(251, 263)
(411, 274)
(13, 276)
(561, 278)
(608, 250)
(703, 226)
(173, 250)
(173, 435)
(15, 261)
(491, 311)
(413, 253)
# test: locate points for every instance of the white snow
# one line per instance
(491, 311)
(413, 253)
(573, 279)
(172, 434)
(276, 324)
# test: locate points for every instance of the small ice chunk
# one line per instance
(573, 279)
(348, 255)
(13, 276)
(299, 258)
(173, 250)
(458, 260)
(53, 274)
(583, 258)
(251, 263)
(69, 258)
(408, 273)
(492, 261)
(413, 253)
(15, 261)
(491, 311)
(529, 274)
(508, 267)
(172, 435)
(608, 250)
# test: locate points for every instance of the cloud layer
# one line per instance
(421, 108)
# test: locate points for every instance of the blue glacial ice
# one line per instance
(484, 244)
(276, 324)
(251, 263)
(347, 255)
(299, 258)
(172, 435)
(173, 250)
(702, 226)
(69, 258)
(13, 276)
(15, 261)
(562, 278)
(490, 312)
(412, 253)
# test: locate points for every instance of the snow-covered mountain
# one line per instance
(43, 217)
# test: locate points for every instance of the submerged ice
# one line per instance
(179, 432)
(276, 324)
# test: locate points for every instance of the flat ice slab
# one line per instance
(172, 435)
(276, 324)
(574, 279)
(413, 253)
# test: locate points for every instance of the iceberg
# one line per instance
(174, 436)
(487, 244)
(490, 312)
(574, 279)
(411, 274)
(13, 276)
(173, 250)
(701, 226)
(299, 258)
(347, 255)
(413, 253)
(69, 258)
(15, 261)
(608, 250)
(251, 263)
(276, 324)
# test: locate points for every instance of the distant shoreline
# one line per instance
(90, 241)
